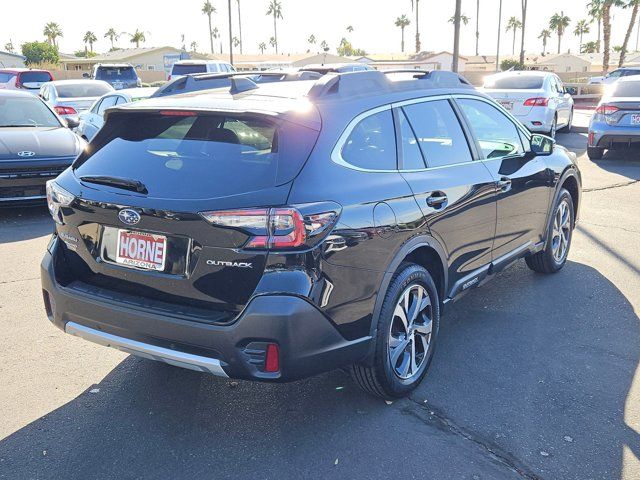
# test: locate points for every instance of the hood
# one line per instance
(44, 142)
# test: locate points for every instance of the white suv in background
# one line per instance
(185, 67)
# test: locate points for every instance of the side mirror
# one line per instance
(541, 145)
(71, 122)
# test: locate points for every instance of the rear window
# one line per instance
(35, 77)
(519, 82)
(6, 76)
(25, 112)
(115, 73)
(198, 156)
(626, 89)
(187, 69)
(88, 89)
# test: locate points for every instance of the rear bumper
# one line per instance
(308, 341)
(538, 120)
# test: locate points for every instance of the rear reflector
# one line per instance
(607, 109)
(272, 359)
(65, 110)
(536, 102)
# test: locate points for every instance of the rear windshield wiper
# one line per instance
(124, 183)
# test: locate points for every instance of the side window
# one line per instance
(496, 133)
(120, 100)
(96, 106)
(107, 102)
(559, 85)
(615, 74)
(372, 143)
(439, 133)
(411, 156)
(45, 93)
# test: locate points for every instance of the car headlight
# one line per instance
(57, 197)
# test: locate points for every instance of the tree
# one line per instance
(457, 18)
(633, 4)
(112, 35)
(235, 41)
(345, 49)
(194, 46)
(137, 37)
(590, 47)
(477, 26)
(523, 4)
(513, 24)
(52, 31)
(273, 42)
(606, 34)
(581, 28)
(209, 10)
(349, 29)
(215, 34)
(262, 47)
(511, 65)
(417, 8)
(311, 40)
(239, 27)
(594, 9)
(559, 23)
(324, 45)
(545, 35)
(9, 46)
(89, 38)
(40, 52)
(275, 10)
(463, 18)
(402, 23)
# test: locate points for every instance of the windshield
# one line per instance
(187, 69)
(199, 155)
(85, 89)
(626, 89)
(35, 77)
(516, 82)
(115, 73)
(25, 112)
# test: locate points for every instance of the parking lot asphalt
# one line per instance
(534, 377)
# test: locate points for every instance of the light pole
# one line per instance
(499, 30)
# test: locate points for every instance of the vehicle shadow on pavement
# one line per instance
(621, 162)
(24, 223)
(530, 380)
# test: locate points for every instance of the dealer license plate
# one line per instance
(141, 250)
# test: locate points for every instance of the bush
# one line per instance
(511, 65)
(40, 52)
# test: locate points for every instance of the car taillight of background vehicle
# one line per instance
(536, 102)
(607, 109)
(65, 110)
(276, 228)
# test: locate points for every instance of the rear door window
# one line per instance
(371, 145)
(411, 155)
(199, 156)
(107, 102)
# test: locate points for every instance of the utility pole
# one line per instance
(499, 30)
(456, 36)
(477, 26)
(230, 36)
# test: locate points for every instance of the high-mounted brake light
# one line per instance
(65, 110)
(177, 113)
(607, 109)
(274, 228)
(536, 102)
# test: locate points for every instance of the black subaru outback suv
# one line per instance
(275, 232)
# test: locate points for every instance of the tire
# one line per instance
(554, 128)
(595, 153)
(558, 241)
(568, 126)
(388, 379)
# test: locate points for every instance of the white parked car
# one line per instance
(92, 120)
(185, 67)
(69, 98)
(538, 99)
(611, 77)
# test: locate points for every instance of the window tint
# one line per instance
(439, 133)
(411, 155)
(107, 102)
(497, 134)
(372, 143)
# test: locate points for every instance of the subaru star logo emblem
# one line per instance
(26, 153)
(129, 216)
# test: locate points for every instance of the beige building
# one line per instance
(269, 61)
(11, 60)
(412, 61)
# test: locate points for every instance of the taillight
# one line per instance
(169, 78)
(275, 228)
(57, 197)
(536, 102)
(65, 110)
(607, 109)
(18, 82)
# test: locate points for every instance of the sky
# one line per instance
(373, 21)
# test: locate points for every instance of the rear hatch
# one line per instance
(118, 77)
(627, 115)
(144, 184)
(80, 96)
(33, 79)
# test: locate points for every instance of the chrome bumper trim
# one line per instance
(172, 357)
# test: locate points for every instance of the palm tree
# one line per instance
(477, 26)
(239, 27)
(499, 32)
(137, 37)
(594, 9)
(513, 24)
(311, 40)
(52, 31)
(457, 18)
(349, 29)
(634, 13)
(590, 47)
(324, 45)
(524, 4)
(194, 46)
(275, 9)
(463, 18)
(606, 34)
(9, 46)
(544, 36)
(235, 41)
(89, 38)
(417, 5)
(581, 28)
(262, 47)
(112, 35)
(402, 23)
(209, 10)
(558, 23)
(274, 43)
(215, 34)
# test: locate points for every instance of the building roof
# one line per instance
(11, 54)
(117, 56)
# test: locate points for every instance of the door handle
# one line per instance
(504, 184)
(437, 200)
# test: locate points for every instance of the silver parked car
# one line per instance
(538, 99)
(69, 98)
(92, 120)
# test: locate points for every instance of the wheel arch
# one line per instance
(569, 180)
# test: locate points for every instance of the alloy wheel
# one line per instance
(410, 332)
(561, 231)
